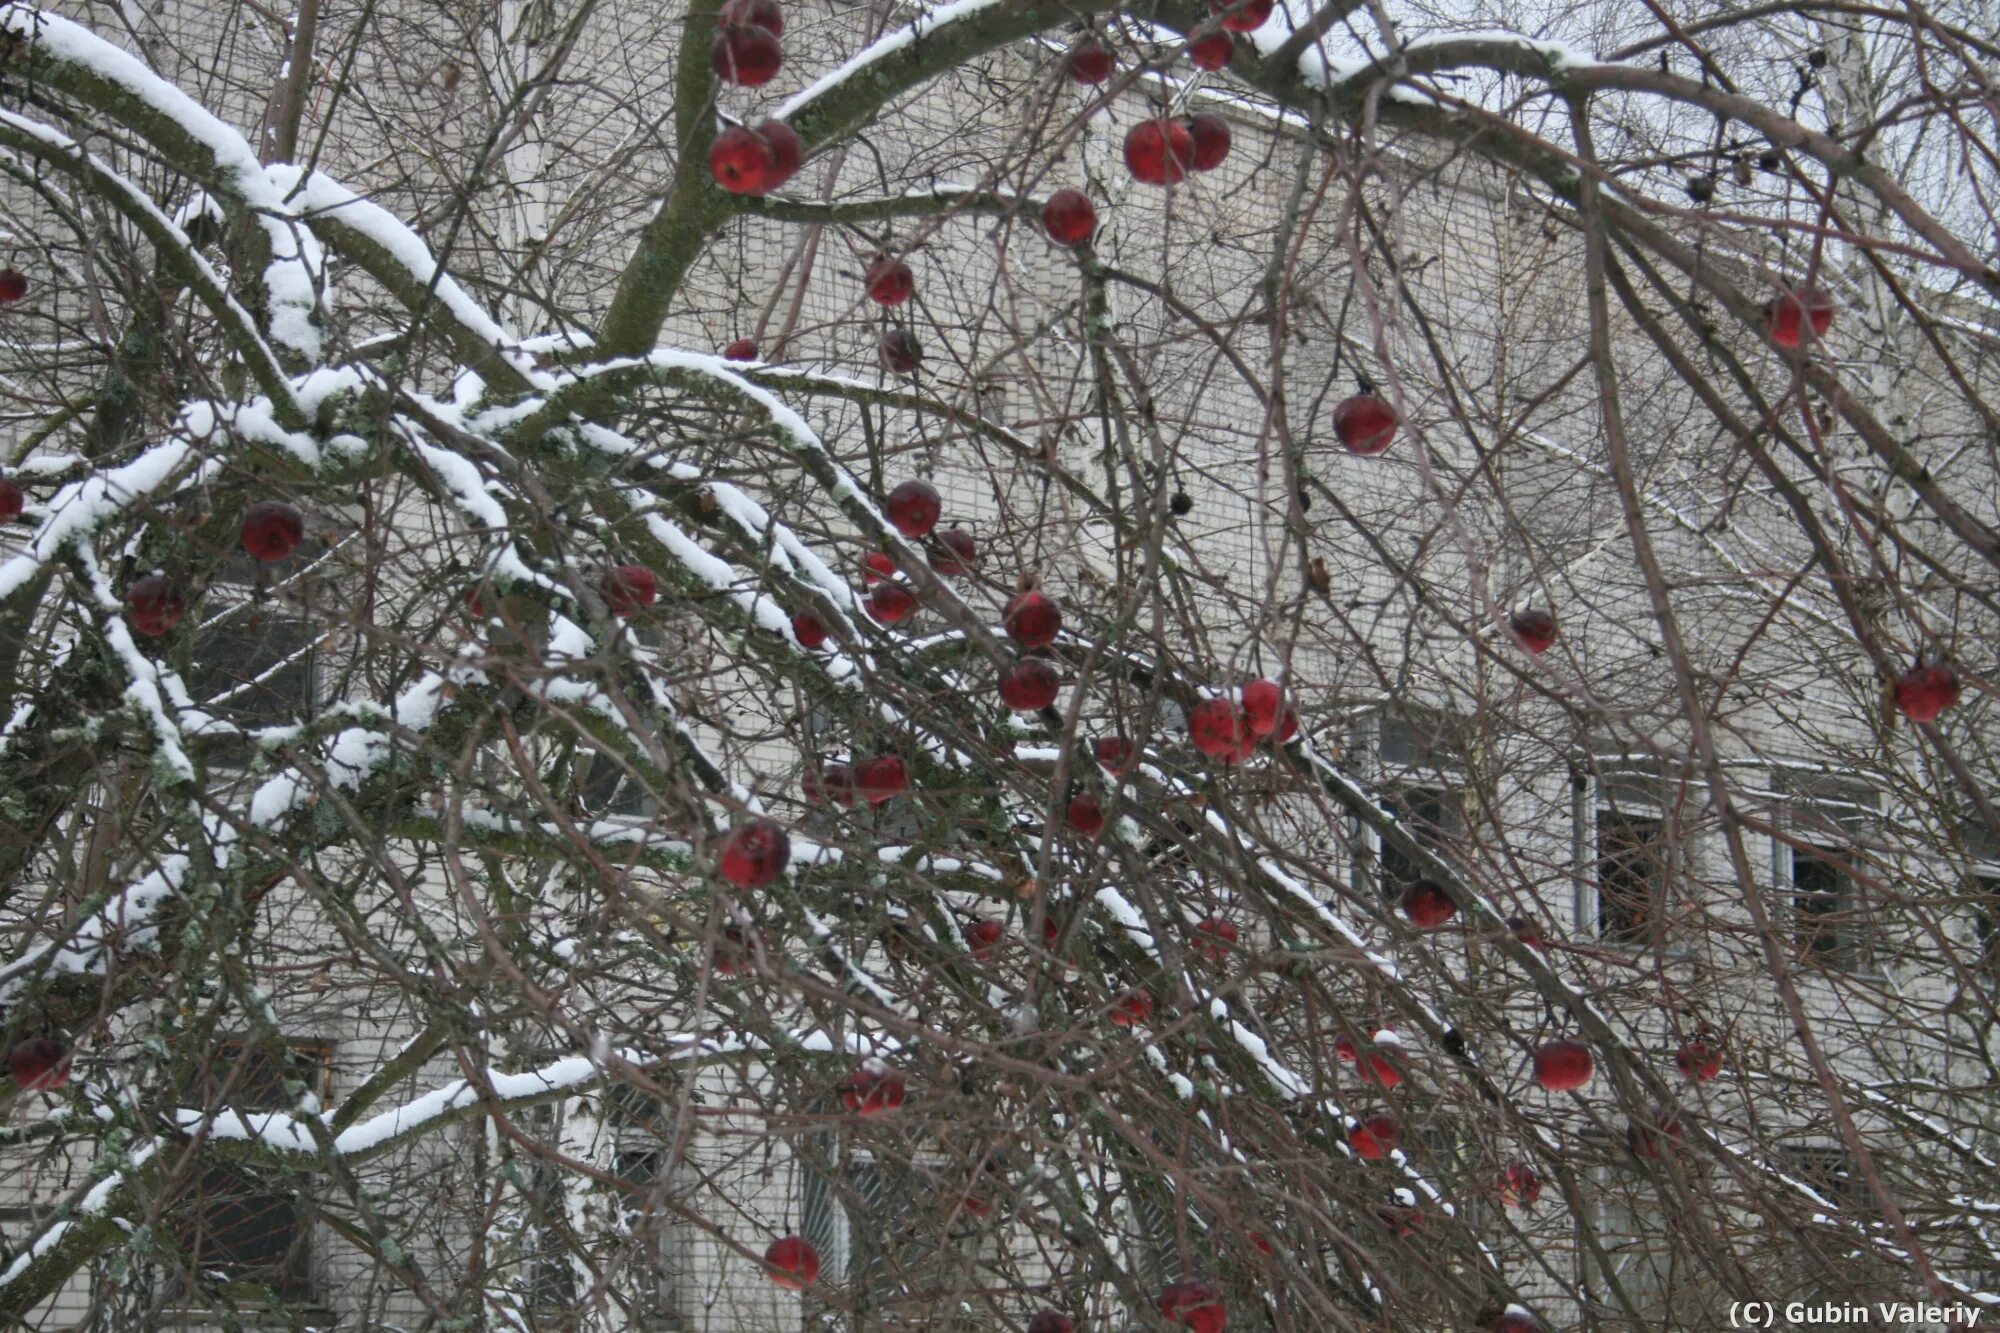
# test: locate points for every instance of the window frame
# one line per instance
(235, 594)
(1436, 765)
(303, 1282)
(1823, 815)
(1628, 791)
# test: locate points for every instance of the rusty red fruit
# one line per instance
(881, 779)
(745, 55)
(793, 1263)
(1427, 905)
(1534, 629)
(1364, 424)
(1030, 684)
(1563, 1065)
(872, 1089)
(154, 605)
(1159, 152)
(755, 854)
(272, 530)
(1068, 217)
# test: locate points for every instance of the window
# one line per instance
(648, 1277)
(1421, 738)
(1828, 816)
(1432, 815)
(1827, 1171)
(250, 1231)
(1637, 1262)
(1631, 878)
(879, 1228)
(251, 663)
(1986, 921)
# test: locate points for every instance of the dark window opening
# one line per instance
(1986, 920)
(1631, 878)
(248, 1230)
(1826, 926)
(1828, 1172)
(253, 667)
(1430, 814)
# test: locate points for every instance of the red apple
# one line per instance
(11, 501)
(1345, 1050)
(1215, 936)
(975, 1205)
(786, 150)
(1210, 134)
(1364, 424)
(872, 1089)
(746, 55)
(1218, 728)
(1378, 1068)
(1049, 1321)
(1085, 815)
(1526, 931)
(1194, 1304)
(1213, 51)
(1031, 620)
(914, 507)
(1288, 727)
(1263, 1244)
(1661, 1138)
(876, 566)
(1134, 1006)
(154, 605)
(891, 603)
(1030, 684)
(630, 589)
(1563, 1065)
(755, 854)
(793, 1263)
(1520, 1186)
(1698, 1060)
(743, 349)
(1374, 1138)
(1090, 61)
(983, 937)
(807, 629)
(272, 530)
(833, 782)
(1116, 754)
(901, 352)
(890, 282)
(1427, 905)
(1261, 701)
(763, 14)
(1068, 217)
(1159, 152)
(1923, 692)
(39, 1064)
(741, 161)
(13, 285)
(881, 779)
(1534, 629)
(1798, 316)
(1242, 15)
(960, 555)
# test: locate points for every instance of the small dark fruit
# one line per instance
(154, 605)
(272, 530)
(755, 854)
